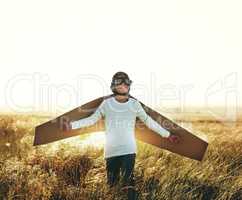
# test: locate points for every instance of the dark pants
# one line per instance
(123, 164)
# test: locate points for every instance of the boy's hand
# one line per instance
(65, 124)
(174, 138)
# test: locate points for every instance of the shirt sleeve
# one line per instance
(152, 124)
(88, 121)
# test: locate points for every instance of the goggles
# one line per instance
(119, 81)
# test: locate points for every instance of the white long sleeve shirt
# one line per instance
(120, 121)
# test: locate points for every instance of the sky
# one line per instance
(57, 55)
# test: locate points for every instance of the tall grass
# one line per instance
(63, 170)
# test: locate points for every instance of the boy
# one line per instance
(120, 112)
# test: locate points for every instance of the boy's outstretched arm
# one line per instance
(84, 122)
(88, 121)
(153, 125)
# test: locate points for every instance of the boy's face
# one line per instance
(122, 88)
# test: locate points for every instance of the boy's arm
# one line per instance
(88, 121)
(152, 124)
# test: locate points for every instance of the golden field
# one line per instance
(69, 169)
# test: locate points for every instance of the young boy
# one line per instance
(120, 112)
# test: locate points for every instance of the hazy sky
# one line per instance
(56, 55)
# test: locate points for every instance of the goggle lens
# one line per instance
(120, 81)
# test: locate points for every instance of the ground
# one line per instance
(71, 170)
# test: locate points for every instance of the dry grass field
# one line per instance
(71, 169)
